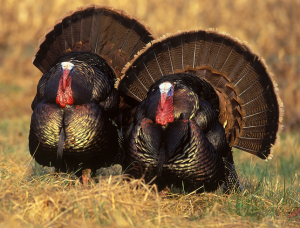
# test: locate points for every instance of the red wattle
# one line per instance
(163, 98)
(165, 111)
(65, 78)
(64, 92)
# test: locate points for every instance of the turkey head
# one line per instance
(64, 93)
(164, 112)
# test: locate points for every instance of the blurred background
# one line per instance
(270, 27)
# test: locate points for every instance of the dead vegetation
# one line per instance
(35, 197)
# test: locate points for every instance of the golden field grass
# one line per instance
(31, 196)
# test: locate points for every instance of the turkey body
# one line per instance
(189, 149)
(201, 93)
(90, 138)
(73, 124)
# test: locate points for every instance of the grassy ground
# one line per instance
(31, 196)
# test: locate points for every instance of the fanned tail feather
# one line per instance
(250, 109)
(110, 33)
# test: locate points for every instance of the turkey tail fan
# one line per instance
(250, 109)
(110, 33)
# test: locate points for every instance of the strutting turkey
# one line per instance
(201, 93)
(80, 58)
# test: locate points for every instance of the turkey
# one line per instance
(81, 57)
(201, 93)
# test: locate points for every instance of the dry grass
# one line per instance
(34, 197)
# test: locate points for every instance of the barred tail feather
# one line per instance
(250, 108)
(110, 33)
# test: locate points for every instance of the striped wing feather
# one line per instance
(110, 33)
(250, 109)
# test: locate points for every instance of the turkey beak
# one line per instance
(163, 98)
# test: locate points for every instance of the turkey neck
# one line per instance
(89, 77)
(164, 113)
(183, 104)
(64, 92)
